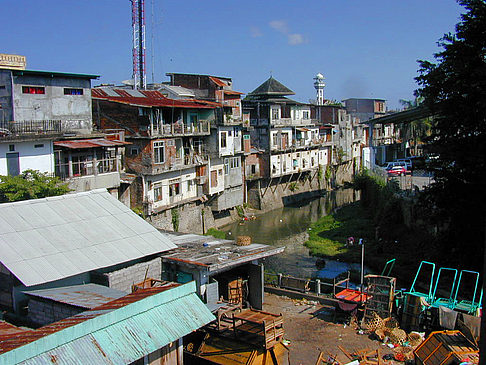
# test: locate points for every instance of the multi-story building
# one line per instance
(284, 130)
(46, 125)
(385, 136)
(226, 144)
(168, 151)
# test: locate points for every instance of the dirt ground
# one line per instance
(310, 329)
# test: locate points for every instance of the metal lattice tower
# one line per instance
(138, 51)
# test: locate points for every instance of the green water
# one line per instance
(288, 227)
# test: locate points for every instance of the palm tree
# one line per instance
(415, 131)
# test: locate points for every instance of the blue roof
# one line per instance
(84, 296)
(118, 332)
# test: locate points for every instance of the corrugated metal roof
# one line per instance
(54, 74)
(89, 143)
(213, 253)
(84, 296)
(48, 239)
(118, 332)
(151, 98)
(218, 81)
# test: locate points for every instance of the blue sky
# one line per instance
(364, 48)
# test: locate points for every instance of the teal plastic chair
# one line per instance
(389, 265)
(468, 306)
(427, 296)
(445, 302)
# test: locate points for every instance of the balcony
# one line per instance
(232, 120)
(289, 122)
(37, 128)
(182, 129)
(84, 174)
(300, 144)
(174, 163)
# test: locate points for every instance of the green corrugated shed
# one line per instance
(119, 332)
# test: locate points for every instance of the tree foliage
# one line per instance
(454, 88)
(30, 184)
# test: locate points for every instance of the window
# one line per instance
(11, 147)
(235, 162)
(134, 151)
(275, 114)
(158, 193)
(2, 87)
(220, 172)
(226, 166)
(305, 114)
(68, 91)
(174, 187)
(41, 145)
(33, 90)
(159, 152)
(222, 142)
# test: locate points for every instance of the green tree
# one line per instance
(30, 184)
(454, 88)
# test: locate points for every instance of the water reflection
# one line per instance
(288, 227)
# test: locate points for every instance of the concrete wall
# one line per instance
(30, 157)
(53, 105)
(123, 279)
(43, 312)
(85, 183)
(6, 112)
(190, 218)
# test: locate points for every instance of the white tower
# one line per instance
(319, 85)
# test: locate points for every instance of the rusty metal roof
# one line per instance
(118, 332)
(43, 240)
(214, 254)
(89, 143)
(84, 296)
(218, 81)
(152, 98)
(7, 330)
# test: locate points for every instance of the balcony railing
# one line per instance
(76, 169)
(179, 129)
(300, 143)
(293, 122)
(31, 127)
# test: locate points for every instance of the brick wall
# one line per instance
(124, 279)
(43, 312)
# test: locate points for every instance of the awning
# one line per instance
(89, 143)
(303, 129)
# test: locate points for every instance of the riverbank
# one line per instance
(328, 235)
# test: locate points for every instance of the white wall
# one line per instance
(30, 157)
(220, 185)
(230, 147)
(187, 190)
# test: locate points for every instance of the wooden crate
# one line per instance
(444, 348)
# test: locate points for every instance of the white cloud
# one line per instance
(281, 26)
(295, 39)
(255, 32)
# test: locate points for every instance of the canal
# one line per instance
(288, 227)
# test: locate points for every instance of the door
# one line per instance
(13, 164)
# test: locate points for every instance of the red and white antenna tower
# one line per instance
(138, 52)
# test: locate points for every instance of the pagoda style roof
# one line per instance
(272, 87)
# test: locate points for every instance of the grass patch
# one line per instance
(216, 233)
(327, 236)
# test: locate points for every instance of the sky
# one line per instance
(364, 48)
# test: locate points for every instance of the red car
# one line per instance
(396, 171)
